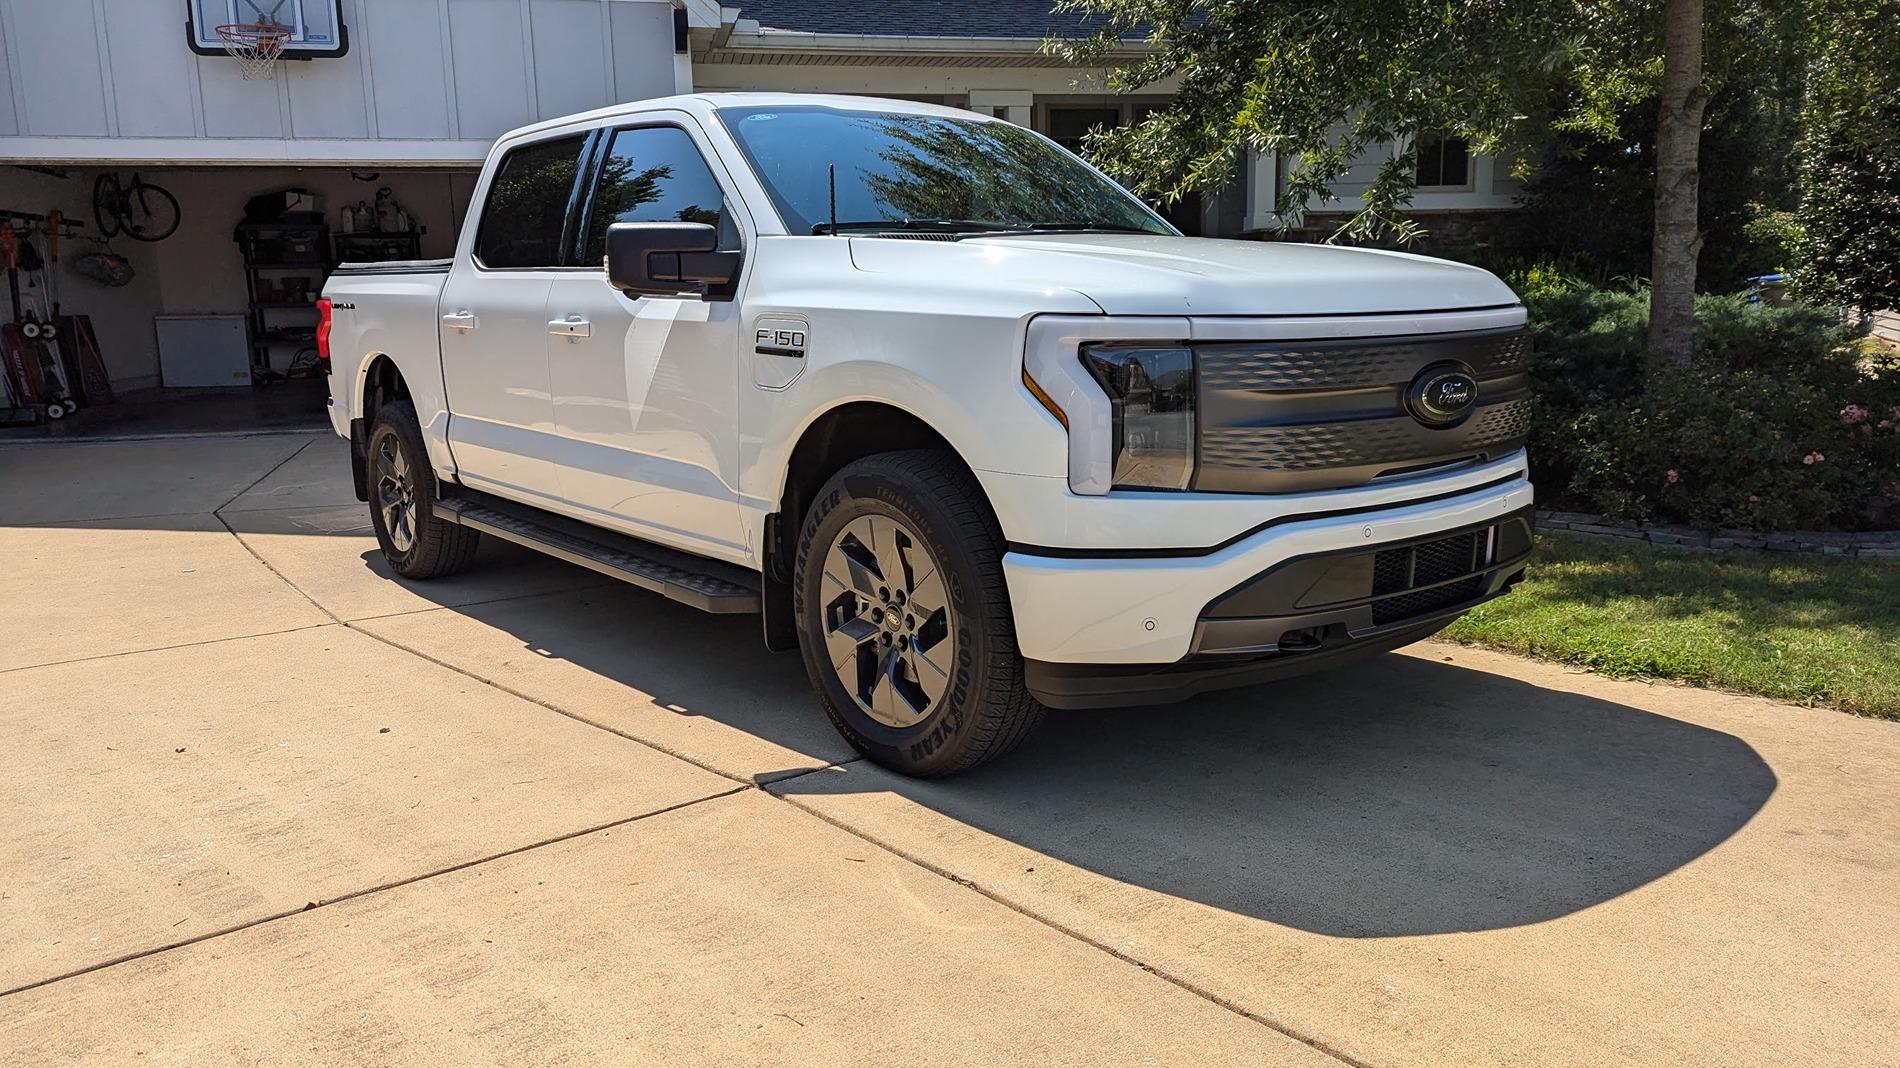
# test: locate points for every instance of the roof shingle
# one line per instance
(1029, 19)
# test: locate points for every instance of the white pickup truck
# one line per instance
(964, 421)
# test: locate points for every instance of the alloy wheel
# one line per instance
(890, 634)
(396, 493)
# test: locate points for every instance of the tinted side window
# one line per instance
(652, 174)
(527, 205)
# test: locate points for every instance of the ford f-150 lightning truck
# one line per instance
(963, 421)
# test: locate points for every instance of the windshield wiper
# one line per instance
(937, 226)
(1065, 228)
(1085, 227)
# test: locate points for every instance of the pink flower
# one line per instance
(1812, 458)
(1752, 499)
(1853, 413)
(1672, 476)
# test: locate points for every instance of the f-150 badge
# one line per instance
(780, 345)
(780, 337)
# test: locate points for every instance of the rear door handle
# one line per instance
(572, 326)
(461, 320)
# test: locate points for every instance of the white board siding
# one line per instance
(407, 48)
(491, 66)
(454, 73)
(327, 96)
(642, 71)
(9, 121)
(61, 84)
(570, 66)
(168, 107)
(234, 107)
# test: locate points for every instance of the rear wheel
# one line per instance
(904, 619)
(402, 496)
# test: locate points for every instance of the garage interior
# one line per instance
(212, 326)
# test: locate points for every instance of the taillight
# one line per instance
(325, 313)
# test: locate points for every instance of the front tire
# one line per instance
(903, 616)
(402, 496)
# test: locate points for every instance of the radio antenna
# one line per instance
(831, 179)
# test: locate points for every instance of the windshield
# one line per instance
(924, 171)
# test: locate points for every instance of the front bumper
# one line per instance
(1102, 630)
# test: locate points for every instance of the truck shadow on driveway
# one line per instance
(1408, 796)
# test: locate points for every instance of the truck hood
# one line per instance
(1152, 274)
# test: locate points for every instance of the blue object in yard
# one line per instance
(1757, 283)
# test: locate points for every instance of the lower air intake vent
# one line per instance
(1425, 602)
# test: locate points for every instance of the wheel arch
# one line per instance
(379, 380)
(846, 432)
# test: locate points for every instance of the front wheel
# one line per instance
(904, 618)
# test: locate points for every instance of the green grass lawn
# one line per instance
(1819, 630)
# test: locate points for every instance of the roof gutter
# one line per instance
(746, 39)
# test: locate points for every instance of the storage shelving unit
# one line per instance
(276, 254)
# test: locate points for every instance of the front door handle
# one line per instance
(461, 320)
(572, 326)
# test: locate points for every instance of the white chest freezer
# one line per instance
(203, 350)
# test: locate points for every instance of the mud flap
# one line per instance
(359, 458)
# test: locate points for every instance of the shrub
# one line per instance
(1779, 423)
(1850, 158)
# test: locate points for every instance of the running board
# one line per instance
(707, 585)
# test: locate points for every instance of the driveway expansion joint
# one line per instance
(1317, 1044)
(394, 884)
(294, 453)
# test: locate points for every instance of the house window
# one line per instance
(1444, 161)
(1069, 124)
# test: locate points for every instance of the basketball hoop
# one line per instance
(255, 45)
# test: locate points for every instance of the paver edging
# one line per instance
(1862, 545)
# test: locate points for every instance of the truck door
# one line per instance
(646, 390)
(494, 343)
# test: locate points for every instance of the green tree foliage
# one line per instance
(1322, 84)
(1588, 205)
(984, 170)
(1849, 247)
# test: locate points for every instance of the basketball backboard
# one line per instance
(316, 26)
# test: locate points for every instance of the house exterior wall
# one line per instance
(424, 81)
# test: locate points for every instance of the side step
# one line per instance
(708, 585)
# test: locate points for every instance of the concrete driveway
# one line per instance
(264, 804)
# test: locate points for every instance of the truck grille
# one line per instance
(1279, 417)
(1395, 571)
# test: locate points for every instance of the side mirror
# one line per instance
(670, 258)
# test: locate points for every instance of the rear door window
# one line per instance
(653, 174)
(526, 212)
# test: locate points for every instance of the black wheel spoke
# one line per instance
(888, 630)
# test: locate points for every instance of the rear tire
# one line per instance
(402, 496)
(903, 616)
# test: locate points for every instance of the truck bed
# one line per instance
(394, 267)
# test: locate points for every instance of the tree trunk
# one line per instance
(1678, 142)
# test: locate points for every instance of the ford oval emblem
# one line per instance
(1442, 395)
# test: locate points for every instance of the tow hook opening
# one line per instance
(1301, 641)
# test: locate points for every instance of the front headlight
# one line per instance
(1151, 390)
